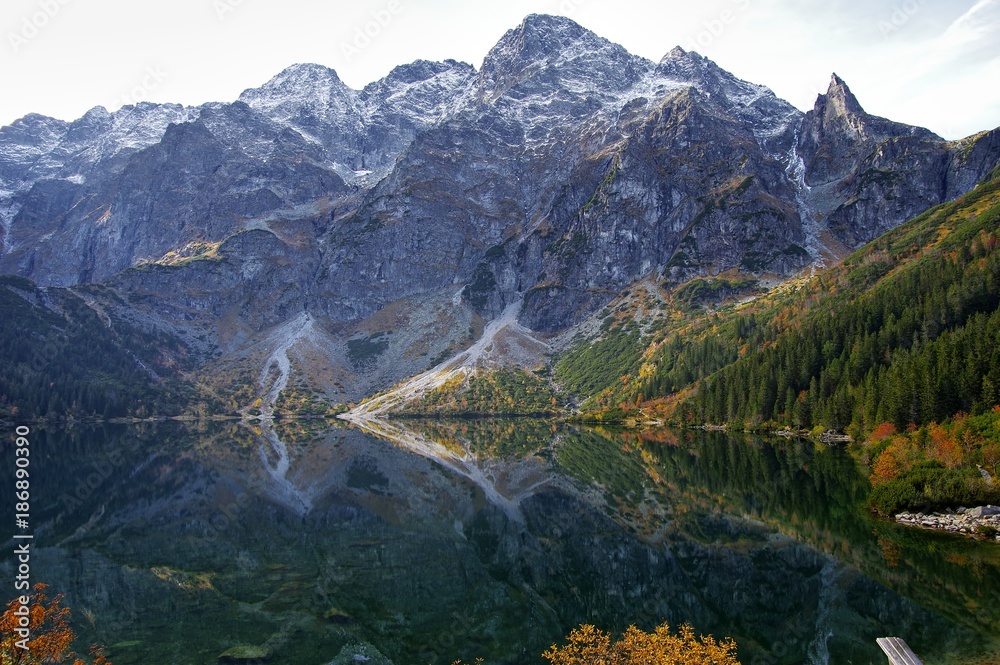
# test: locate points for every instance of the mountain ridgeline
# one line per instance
(561, 218)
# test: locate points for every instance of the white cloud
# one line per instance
(981, 23)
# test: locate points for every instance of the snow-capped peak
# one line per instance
(756, 105)
(300, 86)
(555, 53)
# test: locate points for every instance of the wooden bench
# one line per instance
(897, 651)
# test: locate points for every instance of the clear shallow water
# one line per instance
(432, 541)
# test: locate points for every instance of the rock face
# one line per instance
(562, 171)
(866, 175)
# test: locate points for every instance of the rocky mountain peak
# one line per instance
(32, 128)
(543, 35)
(681, 63)
(770, 118)
(433, 83)
(571, 55)
(838, 100)
(421, 70)
(674, 53)
(301, 86)
(303, 74)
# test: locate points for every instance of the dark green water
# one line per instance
(443, 540)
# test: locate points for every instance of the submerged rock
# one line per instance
(245, 654)
(334, 615)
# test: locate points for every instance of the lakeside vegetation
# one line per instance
(504, 391)
(936, 466)
(589, 645)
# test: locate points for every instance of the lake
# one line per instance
(426, 541)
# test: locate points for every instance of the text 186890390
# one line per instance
(22, 549)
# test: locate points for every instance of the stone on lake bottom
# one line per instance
(245, 654)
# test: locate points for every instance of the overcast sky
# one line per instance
(934, 63)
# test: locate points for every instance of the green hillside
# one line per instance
(906, 331)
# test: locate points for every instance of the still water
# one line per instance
(429, 541)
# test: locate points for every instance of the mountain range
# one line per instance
(311, 241)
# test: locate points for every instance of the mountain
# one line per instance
(864, 175)
(315, 238)
(901, 332)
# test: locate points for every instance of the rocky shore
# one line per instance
(982, 521)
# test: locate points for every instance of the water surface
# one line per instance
(428, 541)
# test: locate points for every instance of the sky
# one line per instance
(933, 63)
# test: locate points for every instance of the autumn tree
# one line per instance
(942, 445)
(991, 456)
(891, 462)
(50, 636)
(882, 431)
(588, 645)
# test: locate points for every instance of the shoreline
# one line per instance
(981, 522)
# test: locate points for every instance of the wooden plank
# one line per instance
(897, 651)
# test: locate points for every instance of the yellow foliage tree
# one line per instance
(588, 645)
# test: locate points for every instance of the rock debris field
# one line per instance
(981, 521)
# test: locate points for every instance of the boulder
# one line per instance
(983, 511)
(245, 654)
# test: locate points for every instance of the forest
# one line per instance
(59, 359)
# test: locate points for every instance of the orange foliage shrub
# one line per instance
(892, 461)
(51, 638)
(943, 447)
(883, 431)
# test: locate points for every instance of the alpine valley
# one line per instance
(531, 292)
(512, 239)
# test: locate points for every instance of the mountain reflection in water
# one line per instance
(427, 541)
